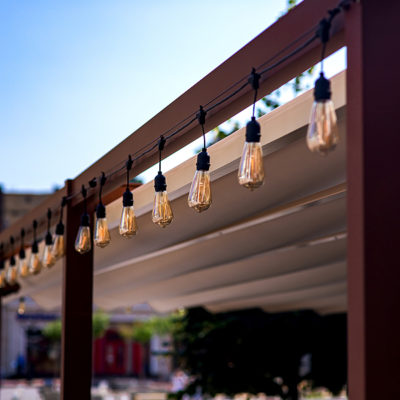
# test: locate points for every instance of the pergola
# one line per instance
(318, 235)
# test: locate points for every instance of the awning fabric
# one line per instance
(281, 247)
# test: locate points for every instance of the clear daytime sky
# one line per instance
(78, 76)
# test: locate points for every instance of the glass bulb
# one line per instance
(12, 274)
(57, 250)
(21, 306)
(322, 135)
(251, 169)
(48, 260)
(82, 242)
(128, 225)
(200, 191)
(162, 212)
(35, 264)
(2, 278)
(101, 233)
(23, 268)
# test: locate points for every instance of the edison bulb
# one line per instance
(251, 169)
(2, 278)
(12, 272)
(322, 135)
(102, 234)
(200, 192)
(21, 306)
(162, 211)
(48, 260)
(35, 265)
(83, 241)
(128, 224)
(23, 268)
(58, 248)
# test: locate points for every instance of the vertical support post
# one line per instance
(77, 309)
(373, 166)
(1, 339)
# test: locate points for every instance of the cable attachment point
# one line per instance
(129, 163)
(201, 116)
(323, 31)
(84, 191)
(254, 79)
(103, 179)
(64, 201)
(161, 143)
(93, 182)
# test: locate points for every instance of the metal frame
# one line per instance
(373, 189)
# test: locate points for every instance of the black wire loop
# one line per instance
(128, 165)
(34, 225)
(103, 180)
(201, 117)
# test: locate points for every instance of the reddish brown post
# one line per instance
(373, 166)
(76, 363)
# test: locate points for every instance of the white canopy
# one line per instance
(281, 247)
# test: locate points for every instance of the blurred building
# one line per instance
(14, 205)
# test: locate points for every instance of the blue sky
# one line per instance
(77, 77)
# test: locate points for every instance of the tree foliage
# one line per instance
(251, 351)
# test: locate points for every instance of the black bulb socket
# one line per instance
(160, 183)
(1, 264)
(203, 161)
(100, 211)
(22, 254)
(253, 130)
(35, 247)
(85, 220)
(48, 239)
(127, 198)
(322, 88)
(60, 229)
(12, 261)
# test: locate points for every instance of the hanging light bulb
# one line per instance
(83, 242)
(128, 225)
(21, 306)
(251, 169)
(23, 268)
(200, 192)
(12, 271)
(35, 265)
(58, 248)
(162, 212)
(101, 234)
(48, 260)
(322, 134)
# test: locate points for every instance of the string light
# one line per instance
(23, 267)
(200, 192)
(162, 212)
(83, 242)
(251, 169)
(35, 264)
(59, 245)
(128, 225)
(323, 135)
(12, 272)
(48, 260)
